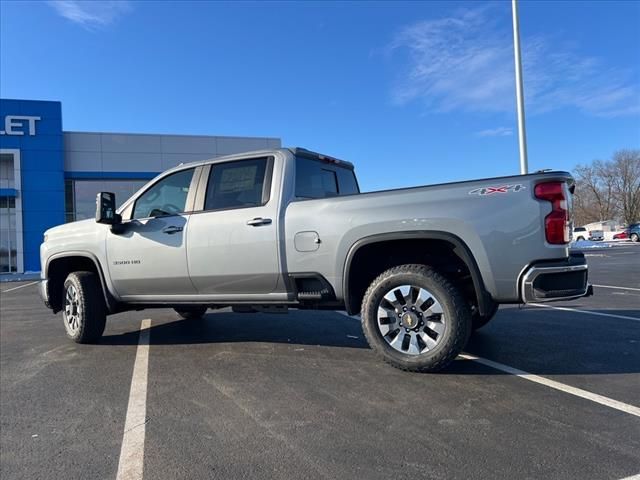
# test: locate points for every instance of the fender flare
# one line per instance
(460, 249)
(109, 299)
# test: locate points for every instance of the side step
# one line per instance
(318, 295)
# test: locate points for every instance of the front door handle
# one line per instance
(172, 229)
(255, 222)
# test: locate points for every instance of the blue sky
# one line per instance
(413, 93)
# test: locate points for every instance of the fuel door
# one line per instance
(307, 241)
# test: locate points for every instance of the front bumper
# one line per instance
(558, 280)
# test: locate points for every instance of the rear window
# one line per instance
(316, 179)
(580, 229)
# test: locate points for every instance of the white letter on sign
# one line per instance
(13, 124)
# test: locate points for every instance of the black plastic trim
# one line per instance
(314, 275)
(111, 303)
(460, 249)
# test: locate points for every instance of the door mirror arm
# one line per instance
(118, 227)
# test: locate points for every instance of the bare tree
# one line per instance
(595, 199)
(584, 209)
(625, 172)
(608, 189)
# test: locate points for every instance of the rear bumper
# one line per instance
(560, 280)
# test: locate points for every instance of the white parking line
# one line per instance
(618, 288)
(632, 477)
(594, 397)
(131, 461)
(18, 288)
(588, 312)
(578, 392)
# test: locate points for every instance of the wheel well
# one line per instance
(57, 272)
(372, 259)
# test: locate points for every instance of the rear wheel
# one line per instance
(415, 318)
(191, 313)
(84, 313)
(581, 239)
(634, 237)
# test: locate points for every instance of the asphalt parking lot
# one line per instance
(302, 396)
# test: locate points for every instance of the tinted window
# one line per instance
(315, 179)
(166, 197)
(347, 181)
(236, 184)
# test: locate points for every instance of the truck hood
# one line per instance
(80, 227)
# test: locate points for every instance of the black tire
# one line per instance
(581, 239)
(84, 312)
(455, 311)
(191, 313)
(478, 321)
(634, 237)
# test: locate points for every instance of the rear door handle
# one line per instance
(172, 229)
(255, 222)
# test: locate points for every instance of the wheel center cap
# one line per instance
(409, 320)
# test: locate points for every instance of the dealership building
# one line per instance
(49, 176)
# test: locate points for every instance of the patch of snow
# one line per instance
(586, 244)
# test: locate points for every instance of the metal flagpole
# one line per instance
(522, 134)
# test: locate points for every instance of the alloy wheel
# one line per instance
(411, 319)
(72, 310)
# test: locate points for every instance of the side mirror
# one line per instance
(106, 209)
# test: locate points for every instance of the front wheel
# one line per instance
(415, 318)
(84, 313)
(634, 237)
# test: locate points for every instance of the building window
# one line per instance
(7, 173)
(7, 202)
(8, 234)
(69, 203)
(80, 195)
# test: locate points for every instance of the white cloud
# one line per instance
(465, 62)
(495, 132)
(91, 14)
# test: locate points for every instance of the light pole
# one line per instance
(522, 133)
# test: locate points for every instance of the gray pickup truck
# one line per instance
(288, 228)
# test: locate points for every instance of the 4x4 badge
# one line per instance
(500, 189)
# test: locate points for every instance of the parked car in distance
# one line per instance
(580, 233)
(633, 232)
(596, 235)
(621, 236)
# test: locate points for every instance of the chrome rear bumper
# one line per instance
(563, 280)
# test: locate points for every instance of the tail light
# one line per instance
(557, 225)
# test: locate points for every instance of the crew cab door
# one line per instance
(233, 242)
(149, 257)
